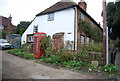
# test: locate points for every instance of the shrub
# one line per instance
(52, 59)
(27, 47)
(74, 64)
(65, 56)
(21, 53)
(93, 48)
(82, 56)
(110, 69)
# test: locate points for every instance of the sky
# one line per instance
(25, 10)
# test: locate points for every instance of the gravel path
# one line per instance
(17, 68)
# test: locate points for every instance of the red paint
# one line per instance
(36, 44)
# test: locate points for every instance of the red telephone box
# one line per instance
(36, 44)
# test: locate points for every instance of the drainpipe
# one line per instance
(107, 50)
(75, 10)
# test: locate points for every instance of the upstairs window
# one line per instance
(35, 29)
(82, 16)
(51, 17)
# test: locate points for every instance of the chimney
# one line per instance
(10, 18)
(82, 4)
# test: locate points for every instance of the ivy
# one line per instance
(86, 28)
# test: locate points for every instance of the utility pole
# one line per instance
(104, 31)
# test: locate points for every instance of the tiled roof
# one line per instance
(63, 4)
(5, 21)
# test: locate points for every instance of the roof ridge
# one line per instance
(66, 1)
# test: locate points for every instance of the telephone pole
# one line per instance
(104, 31)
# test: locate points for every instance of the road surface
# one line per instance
(18, 68)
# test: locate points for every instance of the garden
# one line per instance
(88, 59)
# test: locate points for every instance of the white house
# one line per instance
(61, 17)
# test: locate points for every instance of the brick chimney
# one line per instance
(83, 5)
(10, 18)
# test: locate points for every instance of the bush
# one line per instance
(110, 69)
(21, 53)
(74, 64)
(82, 56)
(65, 56)
(93, 48)
(27, 47)
(52, 59)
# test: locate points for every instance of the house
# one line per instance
(6, 24)
(60, 21)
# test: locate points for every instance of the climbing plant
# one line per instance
(86, 28)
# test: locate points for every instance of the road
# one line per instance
(18, 68)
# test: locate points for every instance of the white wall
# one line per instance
(63, 22)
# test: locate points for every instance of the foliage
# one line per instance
(21, 27)
(21, 53)
(27, 47)
(110, 69)
(3, 34)
(22, 30)
(92, 48)
(113, 19)
(66, 55)
(52, 59)
(117, 43)
(74, 64)
(86, 28)
(46, 45)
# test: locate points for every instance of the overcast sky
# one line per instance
(25, 10)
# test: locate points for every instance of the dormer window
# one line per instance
(82, 16)
(51, 17)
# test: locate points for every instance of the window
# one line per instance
(87, 40)
(51, 17)
(30, 38)
(82, 16)
(91, 23)
(82, 39)
(35, 29)
(92, 41)
(1, 26)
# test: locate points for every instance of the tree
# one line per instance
(113, 19)
(21, 27)
(3, 34)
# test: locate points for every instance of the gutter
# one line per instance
(75, 10)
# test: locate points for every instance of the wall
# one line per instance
(63, 22)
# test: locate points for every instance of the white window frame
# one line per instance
(30, 38)
(50, 17)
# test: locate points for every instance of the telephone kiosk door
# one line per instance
(36, 44)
